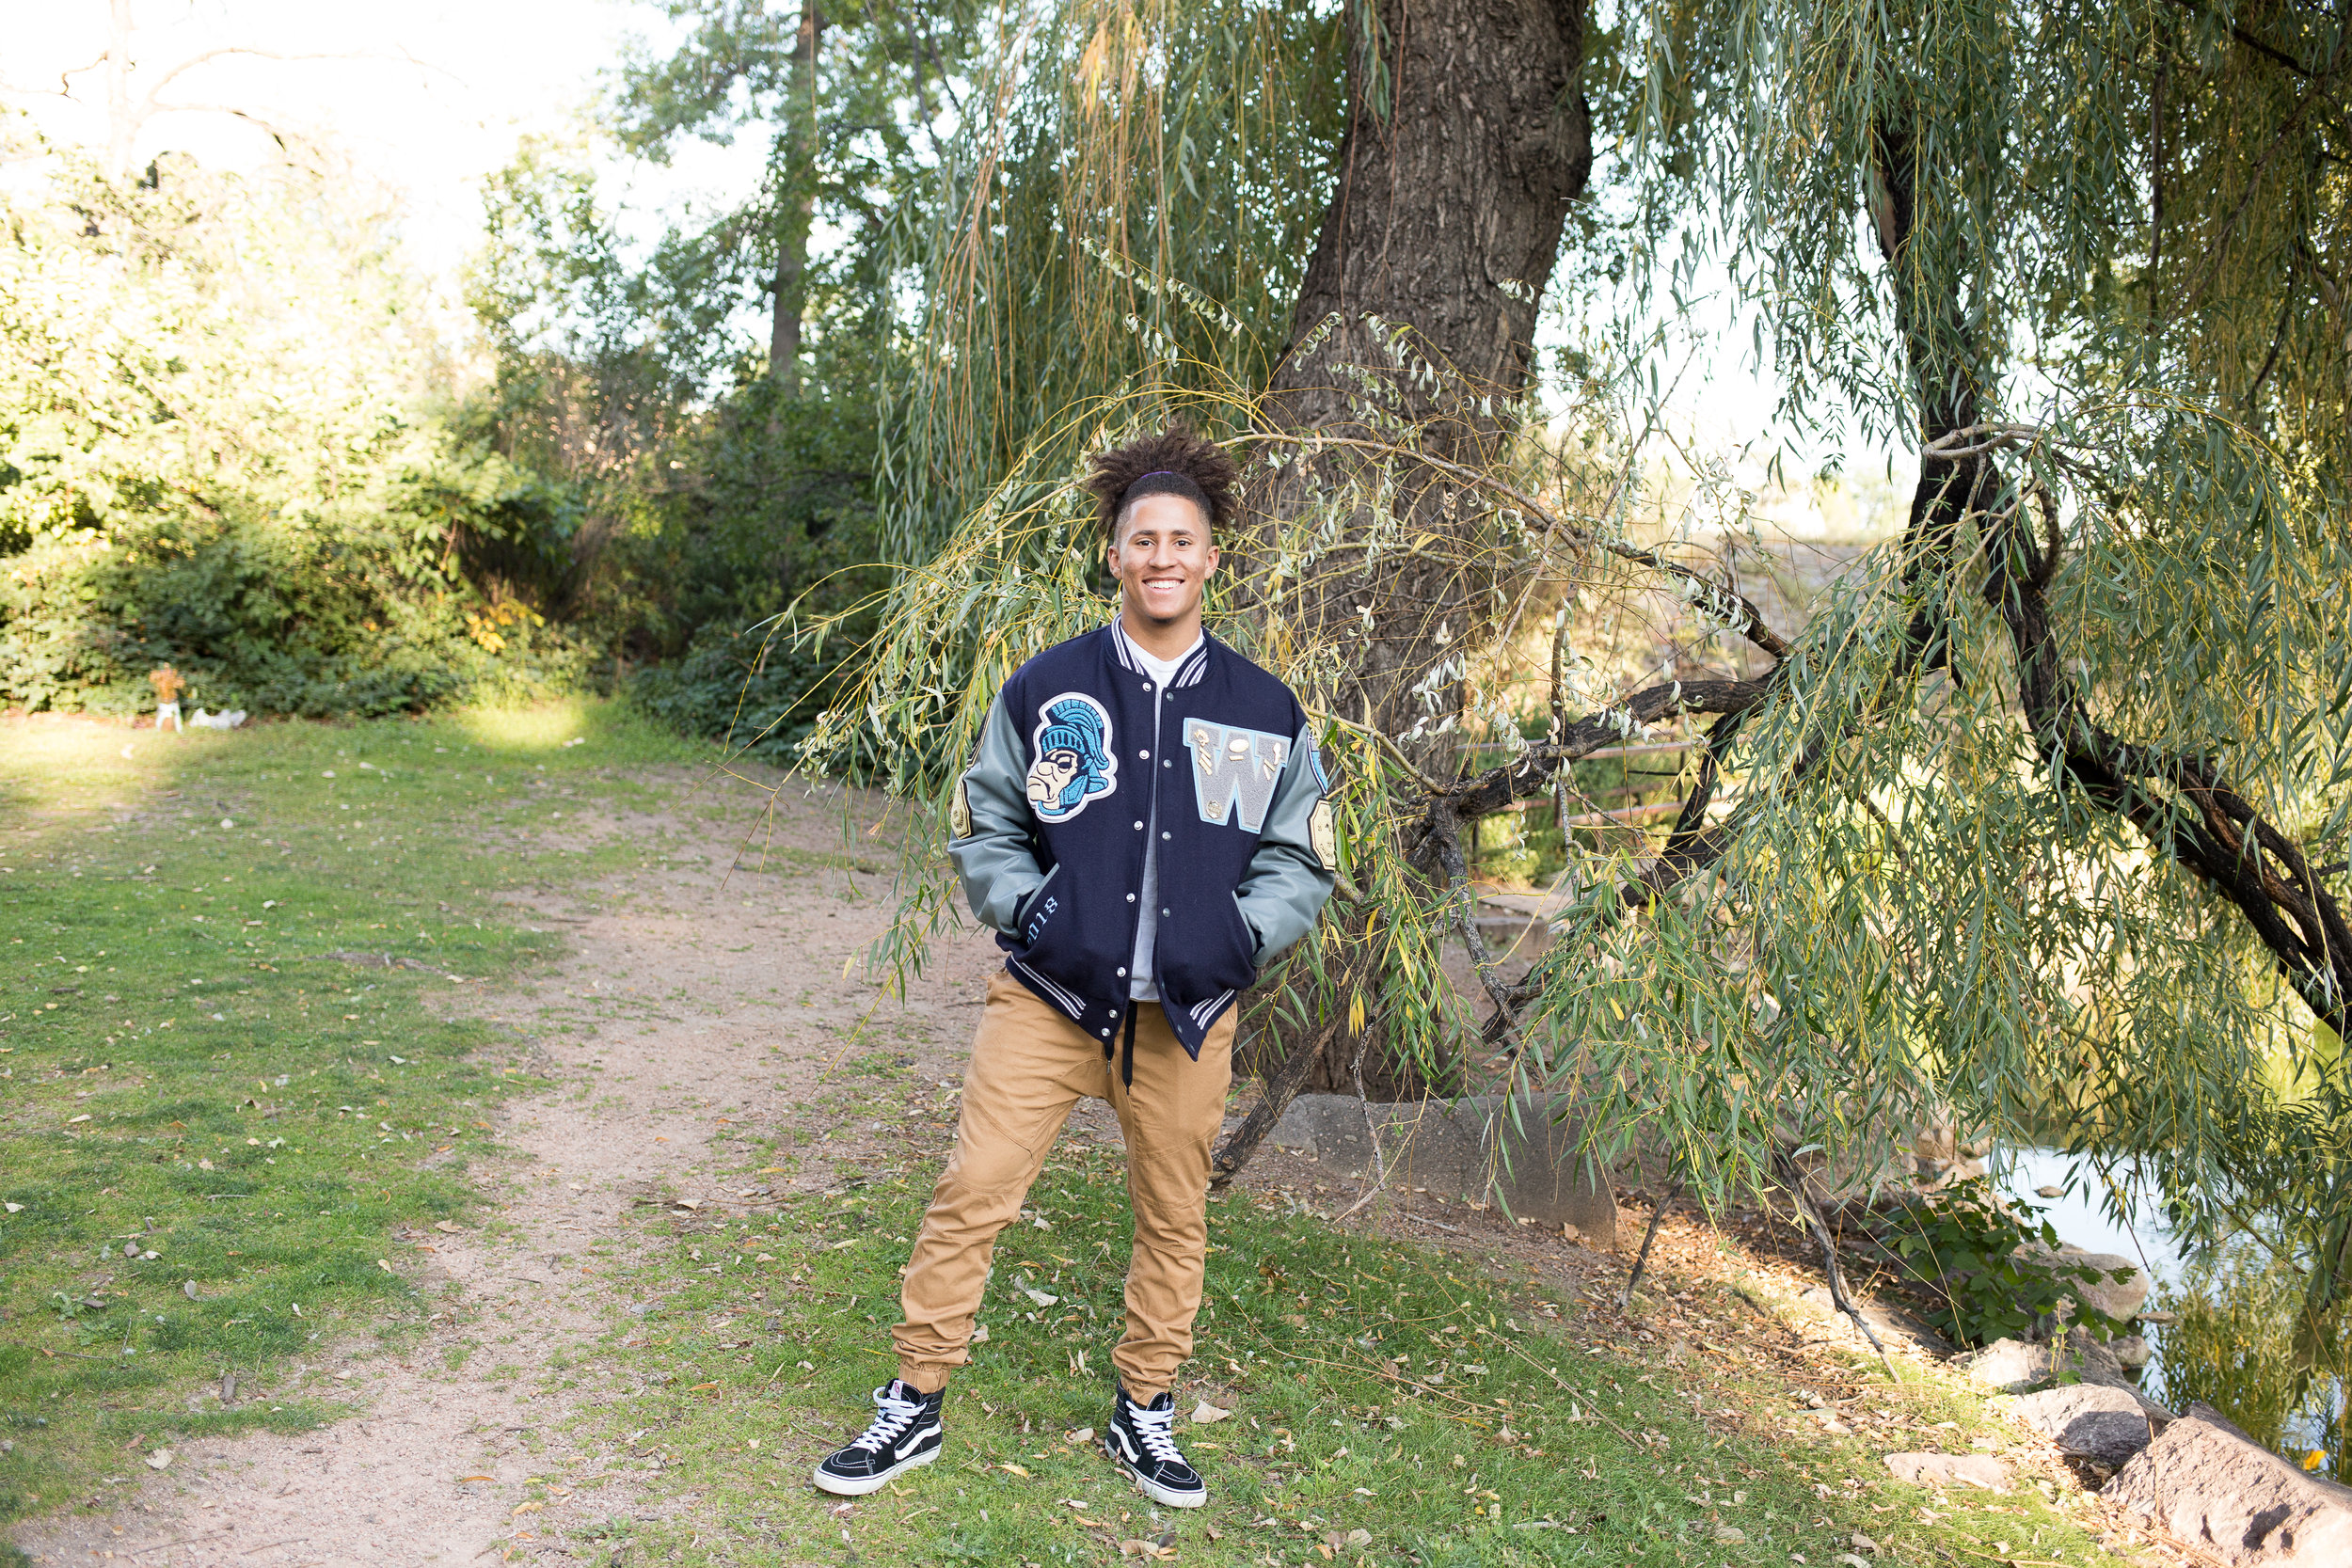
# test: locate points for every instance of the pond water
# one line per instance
(2080, 1217)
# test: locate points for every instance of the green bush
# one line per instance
(220, 449)
(1979, 1262)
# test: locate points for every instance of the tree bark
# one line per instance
(1468, 140)
(797, 209)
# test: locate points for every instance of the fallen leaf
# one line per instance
(689, 1203)
(187, 1289)
(979, 1333)
(16, 1208)
(1084, 1435)
(1040, 1297)
(1203, 1413)
(462, 1480)
(1360, 1538)
(1864, 1544)
(450, 1226)
(1014, 1469)
(1856, 1559)
(521, 1508)
(160, 1458)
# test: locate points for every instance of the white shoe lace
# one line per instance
(892, 1417)
(1151, 1428)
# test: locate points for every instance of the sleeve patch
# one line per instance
(1324, 834)
(960, 811)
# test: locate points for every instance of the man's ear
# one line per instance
(1210, 570)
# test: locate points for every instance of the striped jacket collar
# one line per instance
(1195, 665)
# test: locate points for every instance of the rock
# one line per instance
(1522, 1152)
(2091, 1420)
(1950, 1469)
(2210, 1483)
(2131, 1350)
(2014, 1367)
(2119, 1299)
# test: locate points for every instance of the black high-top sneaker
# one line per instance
(905, 1433)
(1142, 1442)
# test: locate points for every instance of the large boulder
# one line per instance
(2091, 1420)
(2121, 1299)
(2208, 1482)
(1522, 1152)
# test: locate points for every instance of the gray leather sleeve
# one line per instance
(1286, 884)
(999, 868)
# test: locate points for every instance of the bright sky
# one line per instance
(426, 97)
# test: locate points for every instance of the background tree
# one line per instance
(2040, 817)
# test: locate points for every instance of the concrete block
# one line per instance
(1472, 1148)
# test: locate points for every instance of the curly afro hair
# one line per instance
(1176, 462)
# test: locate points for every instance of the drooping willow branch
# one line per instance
(2183, 804)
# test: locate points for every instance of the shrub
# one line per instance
(1987, 1269)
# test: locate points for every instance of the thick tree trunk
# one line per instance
(1467, 142)
(797, 211)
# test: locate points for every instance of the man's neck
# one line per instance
(1162, 640)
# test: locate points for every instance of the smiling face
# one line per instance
(1163, 559)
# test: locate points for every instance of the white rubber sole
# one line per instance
(842, 1487)
(1152, 1489)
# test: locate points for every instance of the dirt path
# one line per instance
(689, 1031)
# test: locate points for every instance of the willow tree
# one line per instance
(2041, 818)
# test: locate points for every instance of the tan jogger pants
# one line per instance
(1029, 1065)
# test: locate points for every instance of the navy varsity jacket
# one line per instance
(1082, 756)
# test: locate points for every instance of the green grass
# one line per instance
(1375, 1388)
(266, 1157)
(185, 1075)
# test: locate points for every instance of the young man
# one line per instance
(1145, 826)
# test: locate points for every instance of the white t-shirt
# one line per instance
(1140, 986)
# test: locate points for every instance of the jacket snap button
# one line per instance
(1139, 826)
(1131, 898)
(1123, 975)
(1165, 835)
(1168, 915)
(1106, 1034)
(1146, 756)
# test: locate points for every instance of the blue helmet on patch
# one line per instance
(1074, 761)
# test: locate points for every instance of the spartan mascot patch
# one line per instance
(1074, 762)
(1233, 767)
